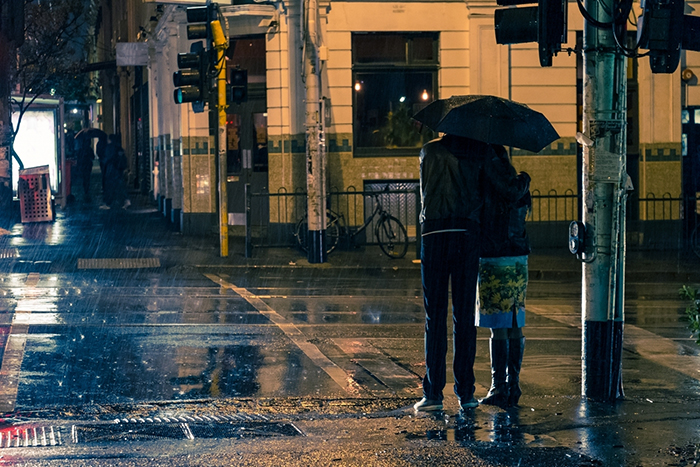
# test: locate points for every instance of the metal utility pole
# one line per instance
(604, 185)
(220, 44)
(315, 162)
(5, 131)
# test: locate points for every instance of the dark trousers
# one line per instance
(85, 170)
(445, 256)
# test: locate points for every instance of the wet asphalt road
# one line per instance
(110, 363)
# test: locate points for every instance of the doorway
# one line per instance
(246, 130)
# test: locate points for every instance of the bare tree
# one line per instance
(59, 38)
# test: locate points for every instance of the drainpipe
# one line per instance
(315, 162)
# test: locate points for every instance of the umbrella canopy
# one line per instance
(91, 133)
(489, 119)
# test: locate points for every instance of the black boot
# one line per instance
(498, 394)
(516, 348)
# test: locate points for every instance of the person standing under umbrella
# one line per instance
(503, 277)
(453, 172)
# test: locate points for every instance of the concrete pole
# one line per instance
(315, 163)
(604, 180)
(220, 43)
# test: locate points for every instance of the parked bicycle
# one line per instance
(388, 230)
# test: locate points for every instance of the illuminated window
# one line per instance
(394, 76)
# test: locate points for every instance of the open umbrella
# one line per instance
(91, 133)
(490, 119)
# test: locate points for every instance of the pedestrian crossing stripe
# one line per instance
(118, 263)
(336, 373)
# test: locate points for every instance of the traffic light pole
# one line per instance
(315, 163)
(604, 185)
(220, 44)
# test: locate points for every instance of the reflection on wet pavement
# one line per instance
(78, 338)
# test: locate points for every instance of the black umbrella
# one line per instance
(91, 133)
(490, 119)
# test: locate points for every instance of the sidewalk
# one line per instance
(85, 230)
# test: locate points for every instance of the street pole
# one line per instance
(604, 197)
(220, 44)
(315, 162)
(5, 130)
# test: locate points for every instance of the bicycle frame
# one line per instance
(378, 211)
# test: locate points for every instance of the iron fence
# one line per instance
(272, 218)
(653, 222)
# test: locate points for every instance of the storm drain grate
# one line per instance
(184, 427)
(121, 432)
(27, 437)
(118, 263)
(7, 253)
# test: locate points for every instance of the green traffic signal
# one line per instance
(187, 94)
(191, 79)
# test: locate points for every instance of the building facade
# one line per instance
(380, 62)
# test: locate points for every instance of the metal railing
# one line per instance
(663, 222)
(272, 218)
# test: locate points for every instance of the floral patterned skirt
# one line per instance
(501, 292)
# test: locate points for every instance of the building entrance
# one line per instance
(246, 130)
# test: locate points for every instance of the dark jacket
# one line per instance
(506, 206)
(455, 173)
(451, 175)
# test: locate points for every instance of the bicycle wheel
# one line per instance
(695, 241)
(391, 236)
(333, 231)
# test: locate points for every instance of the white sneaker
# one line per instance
(470, 404)
(427, 405)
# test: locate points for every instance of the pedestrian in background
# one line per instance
(115, 164)
(85, 156)
(452, 174)
(100, 148)
(503, 277)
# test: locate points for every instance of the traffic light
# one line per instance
(191, 79)
(199, 18)
(544, 24)
(660, 30)
(664, 30)
(238, 87)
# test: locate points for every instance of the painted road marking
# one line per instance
(336, 373)
(376, 363)
(16, 341)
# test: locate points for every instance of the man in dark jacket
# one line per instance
(452, 174)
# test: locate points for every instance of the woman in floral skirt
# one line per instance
(503, 279)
